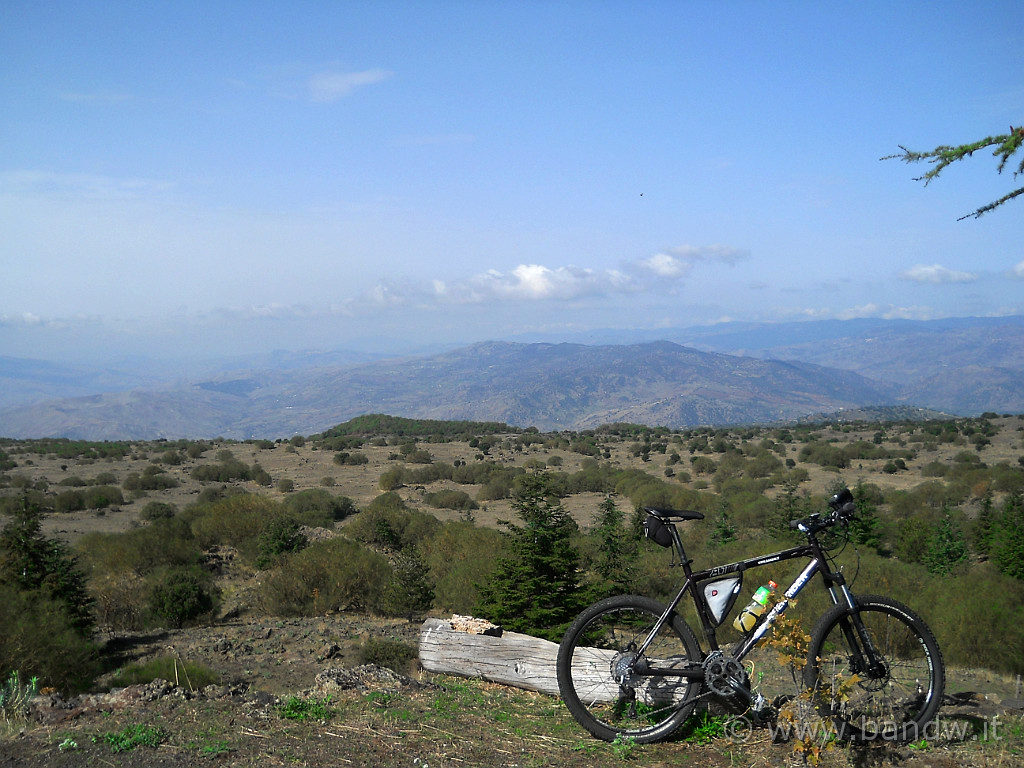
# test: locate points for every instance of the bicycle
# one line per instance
(630, 667)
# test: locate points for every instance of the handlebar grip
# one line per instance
(841, 500)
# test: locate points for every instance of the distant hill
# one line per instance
(718, 375)
(550, 386)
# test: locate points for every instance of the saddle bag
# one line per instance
(656, 530)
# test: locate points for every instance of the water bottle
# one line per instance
(748, 616)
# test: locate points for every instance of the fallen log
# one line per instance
(470, 648)
(513, 659)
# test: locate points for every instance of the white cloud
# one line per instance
(665, 265)
(1018, 271)
(535, 281)
(678, 262)
(935, 273)
(331, 86)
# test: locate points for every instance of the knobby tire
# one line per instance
(600, 645)
(894, 702)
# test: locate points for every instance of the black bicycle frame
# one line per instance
(834, 583)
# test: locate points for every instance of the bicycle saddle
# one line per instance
(677, 514)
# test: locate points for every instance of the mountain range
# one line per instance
(716, 375)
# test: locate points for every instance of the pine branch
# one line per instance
(995, 204)
(1006, 145)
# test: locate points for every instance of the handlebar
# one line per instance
(843, 510)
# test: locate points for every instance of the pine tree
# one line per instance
(616, 550)
(985, 527)
(724, 531)
(865, 528)
(788, 506)
(1008, 540)
(410, 592)
(30, 561)
(947, 548)
(534, 588)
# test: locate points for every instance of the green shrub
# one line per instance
(315, 506)
(69, 501)
(164, 542)
(393, 654)
(387, 522)
(351, 459)
(40, 640)
(279, 537)
(451, 499)
(158, 510)
(296, 708)
(152, 479)
(460, 556)
(183, 595)
(103, 496)
(236, 520)
(187, 674)
(333, 575)
(227, 468)
(391, 479)
(260, 476)
(171, 457)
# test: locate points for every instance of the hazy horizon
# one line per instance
(242, 178)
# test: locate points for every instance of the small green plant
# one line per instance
(133, 736)
(705, 728)
(624, 747)
(296, 708)
(68, 745)
(15, 695)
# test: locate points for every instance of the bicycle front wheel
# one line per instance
(883, 684)
(614, 691)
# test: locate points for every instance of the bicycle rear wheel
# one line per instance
(609, 688)
(894, 699)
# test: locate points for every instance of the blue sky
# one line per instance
(181, 179)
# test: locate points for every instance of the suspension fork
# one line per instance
(865, 655)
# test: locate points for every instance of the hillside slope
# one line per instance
(550, 386)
